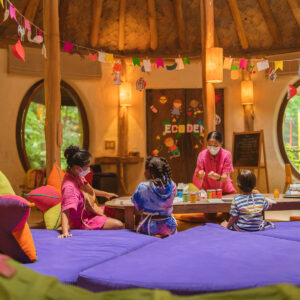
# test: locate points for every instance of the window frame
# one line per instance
(23, 109)
(280, 118)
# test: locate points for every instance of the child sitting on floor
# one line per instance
(155, 198)
(247, 208)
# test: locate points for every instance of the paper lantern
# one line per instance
(214, 65)
(125, 94)
(18, 50)
(247, 92)
(235, 74)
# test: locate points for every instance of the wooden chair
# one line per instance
(288, 177)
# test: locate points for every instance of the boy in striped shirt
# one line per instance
(247, 208)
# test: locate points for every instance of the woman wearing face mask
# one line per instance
(74, 190)
(214, 166)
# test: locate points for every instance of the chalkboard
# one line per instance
(246, 149)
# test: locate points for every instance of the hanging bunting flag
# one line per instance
(93, 57)
(101, 57)
(234, 68)
(154, 67)
(6, 15)
(12, 12)
(2, 3)
(18, 50)
(44, 51)
(186, 60)
(262, 65)
(278, 65)
(68, 47)
(21, 32)
(227, 63)
(109, 58)
(251, 69)
(171, 67)
(27, 25)
(243, 63)
(38, 39)
(159, 63)
(147, 65)
(136, 61)
(180, 64)
(292, 91)
(140, 84)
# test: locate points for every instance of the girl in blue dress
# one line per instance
(154, 198)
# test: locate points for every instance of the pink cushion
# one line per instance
(44, 197)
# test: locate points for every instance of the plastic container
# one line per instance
(185, 197)
(209, 194)
(213, 194)
(219, 193)
(193, 197)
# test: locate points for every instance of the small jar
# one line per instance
(213, 194)
(185, 197)
(193, 197)
(219, 193)
(209, 194)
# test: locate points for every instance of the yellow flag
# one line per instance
(109, 57)
(279, 65)
(2, 3)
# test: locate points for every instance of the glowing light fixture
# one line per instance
(214, 65)
(125, 94)
(247, 92)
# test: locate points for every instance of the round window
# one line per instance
(31, 121)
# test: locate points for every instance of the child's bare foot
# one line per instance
(224, 224)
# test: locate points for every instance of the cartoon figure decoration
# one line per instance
(194, 108)
(140, 84)
(173, 149)
(117, 69)
(163, 99)
(176, 109)
(218, 119)
(117, 78)
(154, 109)
(272, 74)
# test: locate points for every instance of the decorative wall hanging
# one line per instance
(140, 84)
(163, 99)
(173, 149)
(18, 50)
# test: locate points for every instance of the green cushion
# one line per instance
(5, 187)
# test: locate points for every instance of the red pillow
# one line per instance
(44, 197)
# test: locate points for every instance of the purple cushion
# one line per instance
(65, 258)
(202, 259)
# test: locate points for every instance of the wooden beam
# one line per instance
(295, 8)
(97, 12)
(122, 24)
(216, 38)
(53, 129)
(152, 24)
(31, 9)
(268, 16)
(180, 24)
(238, 23)
(207, 41)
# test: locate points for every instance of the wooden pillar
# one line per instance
(53, 129)
(248, 117)
(207, 41)
(123, 131)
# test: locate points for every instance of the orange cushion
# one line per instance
(56, 176)
(200, 217)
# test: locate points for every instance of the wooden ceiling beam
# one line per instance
(122, 25)
(238, 23)
(268, 16)
(152, 24)
(180, 24)
(97, 12)
(31, 9)
(295, 8)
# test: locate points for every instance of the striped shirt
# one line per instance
(249, 209)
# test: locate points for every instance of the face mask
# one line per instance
(84, 173)
(213, 150)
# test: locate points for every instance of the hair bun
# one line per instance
(70, 151)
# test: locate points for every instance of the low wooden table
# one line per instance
(124, 203)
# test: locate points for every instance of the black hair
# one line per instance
(159, 169)
(77, 156)
(246, 181)
(215, 135)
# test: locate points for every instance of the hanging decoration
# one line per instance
(12, 12)
(278, 65)
(101, 57)
(140, 84)
(235, 73)
(6, 15)
(109, 58)
(262, 65)
(18, 50)
(154, 109)
(147, 65)
(27, 25)
(117, 78)
(117, 66)
(1, 1)
(21, 32)
(159, 63)
(44, 51)
(292, 91)
(68, 47)
(272, 74)
(218, 119)
(180, 64)
(136, 61)
(227, 63)
(243, 63)
(93, 57)
(186, 61)
(251, 69)
(163, 99)
(171, 67)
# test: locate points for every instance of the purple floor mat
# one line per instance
(202, 259)
(65, 258)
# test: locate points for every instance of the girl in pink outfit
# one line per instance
(74, 216)
(214, 166)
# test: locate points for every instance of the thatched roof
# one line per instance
(242, 27)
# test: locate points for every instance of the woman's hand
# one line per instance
(110, 195)
(64, 235)
(214, 176)
(200, 174)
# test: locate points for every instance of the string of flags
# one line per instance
(146, 65)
